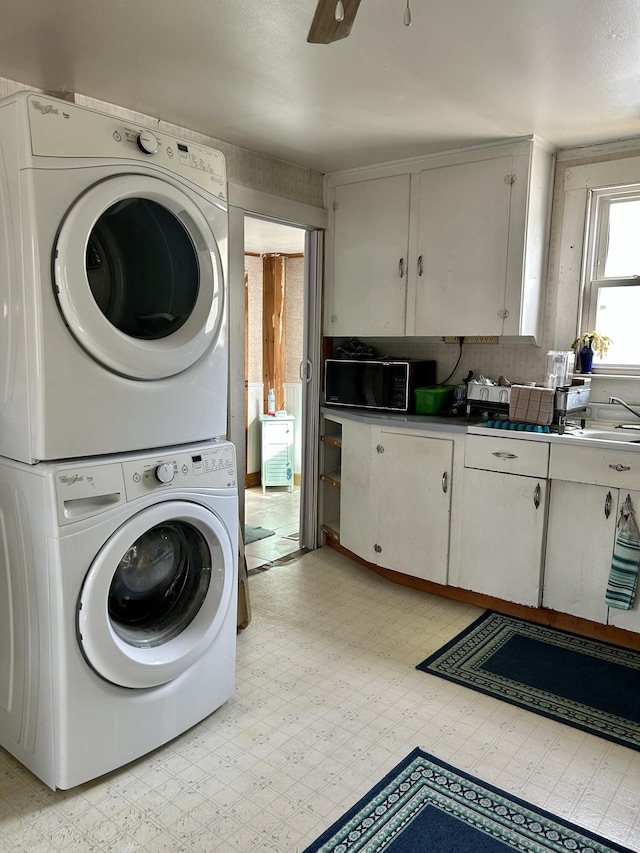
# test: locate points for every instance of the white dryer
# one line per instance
(118, 605)
(113, 260)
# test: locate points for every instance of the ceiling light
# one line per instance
(407, 16)
(339, 13)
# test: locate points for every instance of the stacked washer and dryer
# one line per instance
(118, 490)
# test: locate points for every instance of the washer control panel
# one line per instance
(211, 467)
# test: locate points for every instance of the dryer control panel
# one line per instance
(62, 129)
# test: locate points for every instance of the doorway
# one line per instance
(274, 351)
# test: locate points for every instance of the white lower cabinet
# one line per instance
(356, 500)
(588, 487)
(396, 499)
(580, 537)
(503, 518)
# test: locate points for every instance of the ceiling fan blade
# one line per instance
(325, 28)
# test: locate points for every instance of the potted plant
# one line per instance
(586, 346)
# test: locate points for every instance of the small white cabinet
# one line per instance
(504, 512)
(277, 451)
(396, 499)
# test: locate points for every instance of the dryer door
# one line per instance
(156, 595)
(139, 276)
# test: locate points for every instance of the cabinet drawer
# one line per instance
(509, 455)
(591, 465)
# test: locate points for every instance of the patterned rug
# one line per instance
(253, 534)
(426, 806)
(584, 683)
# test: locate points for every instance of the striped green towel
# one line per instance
(623, 578)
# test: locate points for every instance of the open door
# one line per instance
(282, 335)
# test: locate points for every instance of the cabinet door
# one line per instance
(502, 538)
(463, 238)
(627, 619)
(580, 535)
(356, 522)
(414, 500)
(367, 295)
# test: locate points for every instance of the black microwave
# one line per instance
(386, 384)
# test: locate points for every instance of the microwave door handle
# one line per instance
(369, 384)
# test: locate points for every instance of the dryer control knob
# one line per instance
(147, 142)
(165, 473)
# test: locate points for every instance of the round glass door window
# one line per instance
(142, 269)
(160, 584)
(156, 595)
(139, 276)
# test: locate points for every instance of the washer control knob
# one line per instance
(147, 142)
(165, 473)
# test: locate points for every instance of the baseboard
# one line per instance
(541, 615)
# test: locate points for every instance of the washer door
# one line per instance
(156, 595)
(138, 277)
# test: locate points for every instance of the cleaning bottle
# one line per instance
(271, 402)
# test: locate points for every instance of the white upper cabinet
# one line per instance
(370, 234)
(463, 240)
(452, 244)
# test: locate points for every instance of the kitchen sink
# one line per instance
(620, 436)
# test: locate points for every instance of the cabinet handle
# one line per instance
(420, 267)
(502, 455)
(536, 496)
(377, 548)
(620, 467)
(607, 505)
(445, 482)
(380, 448)
(401, 267)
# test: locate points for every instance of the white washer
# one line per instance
(118, 604)
(113, 261)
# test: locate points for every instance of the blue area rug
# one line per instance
(425, 806)
(584, 683)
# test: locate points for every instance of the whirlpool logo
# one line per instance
(49, 109)
(45, 109)
(70, 479)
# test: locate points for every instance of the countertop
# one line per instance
(602, 418)
(437, 423)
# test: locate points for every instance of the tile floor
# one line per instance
(276, 509)
(327, 701)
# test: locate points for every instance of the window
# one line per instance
(611, 275)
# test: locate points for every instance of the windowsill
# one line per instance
(627, 377)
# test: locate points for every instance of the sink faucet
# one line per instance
(626, 406)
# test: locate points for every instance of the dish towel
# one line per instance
(531, 405)
(623, 578)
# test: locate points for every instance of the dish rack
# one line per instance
(568, 402)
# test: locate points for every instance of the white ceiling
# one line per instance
(262, 236)
(465, 72)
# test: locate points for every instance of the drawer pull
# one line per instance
(502, 455)
(536, 496)
(620, 467)
(607, 505)
(445, 482)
